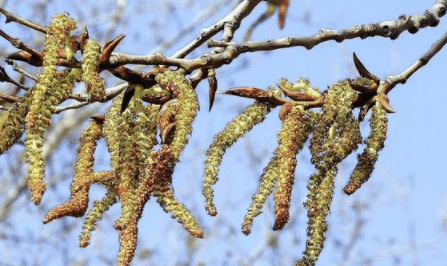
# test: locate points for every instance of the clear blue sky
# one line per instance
(405, 197)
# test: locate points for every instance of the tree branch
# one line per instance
(392, 81)
(10, 17)
(388, 29)
(234, 18)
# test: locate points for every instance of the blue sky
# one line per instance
(403, 203)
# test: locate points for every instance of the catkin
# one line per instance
(251, 116)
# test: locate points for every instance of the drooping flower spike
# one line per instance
(251, 116)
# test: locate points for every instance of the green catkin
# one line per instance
(337, 109)
(177, 210)
(374, 143)
(137, 150)
(111, 135)
(128, 168)
(115, 135)
(94, 215)
(269, 178)
(187, 110)
(82, 177)
(145, 139)
(161, 173)
(12, 129)
(51, 89)
(318, 211)
(146, 136)
(168, 156)
(337, 135)
(90, 70)
(344, 141)
(251, 116)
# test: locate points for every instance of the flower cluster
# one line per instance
(164, 101)
(281, 169)
(334, 134)
(139, 170)
(142, 166)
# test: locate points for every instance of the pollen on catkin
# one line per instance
(336, 112)
(52, 88)
(321, 194)
(12, 129)
(165, 195)
(111, 135)
(77, 205)
(251, 116)
(176, 83)
(128, 167)
(374, 143)
(94, 215)
(90, 70)
(291, 139)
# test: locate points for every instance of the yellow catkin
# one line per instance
(176, 83)
(281, 168)
(168, 156)
(336, 111)
(82, 177)
(177, 210)
(374, 143)
(13, 128)
(251, 116)
(268, 180)
(90, 70)
(128, 170)
(318, 210)
(111, 135)
(136, 151)
(51, 89)
(94, 215)
(144, 134)
(343, 142)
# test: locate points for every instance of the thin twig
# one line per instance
(84, 99)
(9, 98)
(230, 23)
(20, 70)
(392, 81)
(214, 60)
(20, 45)
(5, 78)
(203, 16)
(10, 17)
(388, 29)
(234, 17)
